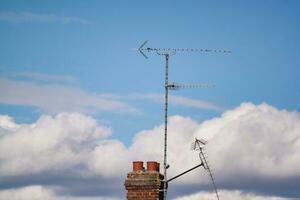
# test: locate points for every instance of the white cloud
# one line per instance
(230, 195)
(177, 100)
(22, 17)
(57, 98)
(194, 103)
(109, 159)
(248, 134)
(257, 141)
(45, 77)
(52, 143)
(249, 141)
(7, 122)
(37, 192)
(32, 193)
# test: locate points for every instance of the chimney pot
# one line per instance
(137, 166)
(152, 166)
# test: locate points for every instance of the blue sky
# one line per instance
(263, 38)
(76, 56)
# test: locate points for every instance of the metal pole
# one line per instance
(166, 125)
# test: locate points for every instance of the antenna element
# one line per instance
(198, 145)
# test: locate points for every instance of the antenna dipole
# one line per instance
(199, 146)
(171, 51)
(166, 52)
(176, 86)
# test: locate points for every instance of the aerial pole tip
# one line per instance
(140, 49)
(143, 44)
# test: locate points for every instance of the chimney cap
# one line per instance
(137, 166)
(152, 166)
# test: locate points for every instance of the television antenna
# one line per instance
(198, 145)
(167, 52)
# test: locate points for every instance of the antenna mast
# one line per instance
(166, 52)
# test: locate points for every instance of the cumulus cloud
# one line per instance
(52, 143)
(58, 98)
(37, 192)
(7, 122)
(254, 140)
(232, 195)
(109, 159)
(31, 192)
(245, 145)
(23, 17)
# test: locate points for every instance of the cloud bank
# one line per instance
(37, 192)
(179, 100)
(51, 143)
(230, 195)
(45, 77)
(254, 147)
(58, 98)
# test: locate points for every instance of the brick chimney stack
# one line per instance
(144, 184)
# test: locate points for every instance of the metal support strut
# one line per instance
(183, 173)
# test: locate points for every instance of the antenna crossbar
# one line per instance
(175, 86)
(172, 51)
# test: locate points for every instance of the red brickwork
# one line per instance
(144, 185)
